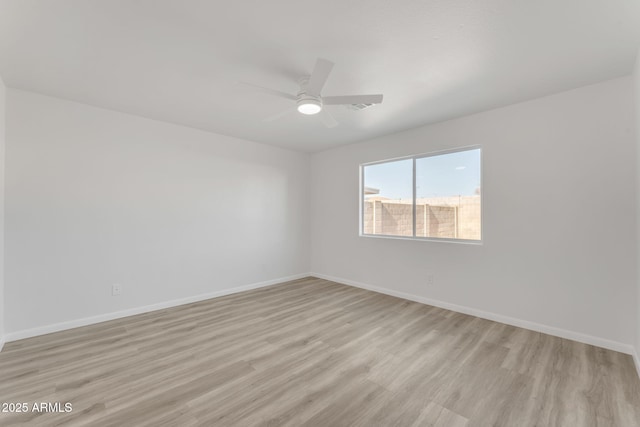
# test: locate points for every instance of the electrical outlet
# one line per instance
(116, 289)
(430, 280)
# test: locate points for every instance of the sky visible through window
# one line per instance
(451, 174)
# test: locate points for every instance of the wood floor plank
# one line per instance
(311, 352)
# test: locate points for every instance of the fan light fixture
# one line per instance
(309, 105)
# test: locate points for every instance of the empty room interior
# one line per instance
(336, 213)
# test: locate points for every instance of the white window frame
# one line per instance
(414, 158)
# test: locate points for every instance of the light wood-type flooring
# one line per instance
(315, 353)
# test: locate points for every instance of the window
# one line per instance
(430, 196)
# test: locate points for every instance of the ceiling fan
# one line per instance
(309, 101)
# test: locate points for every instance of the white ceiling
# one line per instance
(180, 61)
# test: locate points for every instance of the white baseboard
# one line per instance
(42, 330)
(550, 330)
(636, 360)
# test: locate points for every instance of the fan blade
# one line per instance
(319, 76)
(327, 119)
(270, 91)
(280, 115)
(352, 99)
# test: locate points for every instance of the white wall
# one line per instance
(96, 197)
(636, 78)
(559, 211)
(2, 147)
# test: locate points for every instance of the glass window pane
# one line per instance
(448, 195)
(387, 207)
